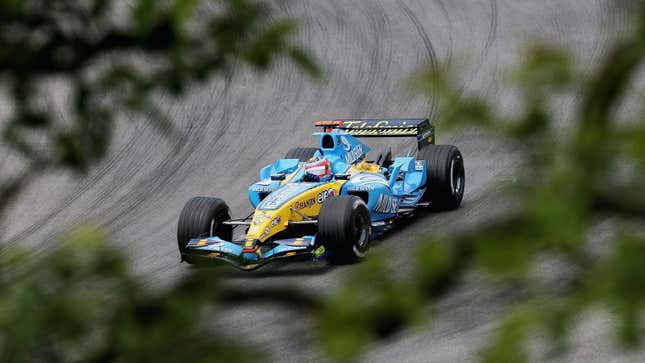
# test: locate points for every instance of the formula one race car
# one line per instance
(326, 203)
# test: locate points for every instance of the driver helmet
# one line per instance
(319, 170)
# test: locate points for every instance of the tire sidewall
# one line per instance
(361, 244)
(444, 168)
(344, 229)
(201, 216)
(456, 161)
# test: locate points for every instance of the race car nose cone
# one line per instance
(250, 258)
(251, 253)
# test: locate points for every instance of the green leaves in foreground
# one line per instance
(371, 305)
(79, 303)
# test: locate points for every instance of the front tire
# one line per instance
(203, 217)
(344, 228)
(446, 177)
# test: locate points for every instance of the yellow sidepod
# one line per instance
(267, 223)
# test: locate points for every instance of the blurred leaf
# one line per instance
(183, 12)
(372, 305)
(79, 303)
(509, 342)
(146, 15)
(259, 52)
(304, 60)
(545, 69)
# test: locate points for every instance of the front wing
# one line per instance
(216, 250)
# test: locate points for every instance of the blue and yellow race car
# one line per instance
(327, 203)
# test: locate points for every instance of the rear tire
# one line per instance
(301, 153)
(344, 228)
(446, 177)
(202, 217)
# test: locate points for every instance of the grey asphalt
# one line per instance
(368, 48)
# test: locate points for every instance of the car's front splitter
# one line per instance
(214, 251)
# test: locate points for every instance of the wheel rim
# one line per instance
(215, 222)
(361, 231)
(457, 175)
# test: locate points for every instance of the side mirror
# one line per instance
(278, 176)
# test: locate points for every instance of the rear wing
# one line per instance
(422, 129)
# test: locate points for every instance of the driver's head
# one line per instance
(319, 170)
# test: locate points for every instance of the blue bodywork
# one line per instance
(391, 190)
(386, 192)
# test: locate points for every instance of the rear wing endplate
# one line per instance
(422, 129)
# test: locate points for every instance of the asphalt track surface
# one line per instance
(368, 48)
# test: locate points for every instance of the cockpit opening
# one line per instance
(327, 142)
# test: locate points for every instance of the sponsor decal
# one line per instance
(262, 189)
(426, 135)
(260, 218)
(302, 204)
(265, 233)
(361, 188)
(382, 127)
(387, 204)
(322, 196)
(379, 123)
(355, 154)
(418, 165)
(276, 221)
(345, 143)
(384, 132)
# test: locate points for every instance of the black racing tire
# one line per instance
(344, 228)
(301, 153)
(203, 217)
(446, 176)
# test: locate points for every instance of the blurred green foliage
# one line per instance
(112, 61)
(80, 302)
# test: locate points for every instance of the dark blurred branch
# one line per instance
(47, 61)
(615, 204)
